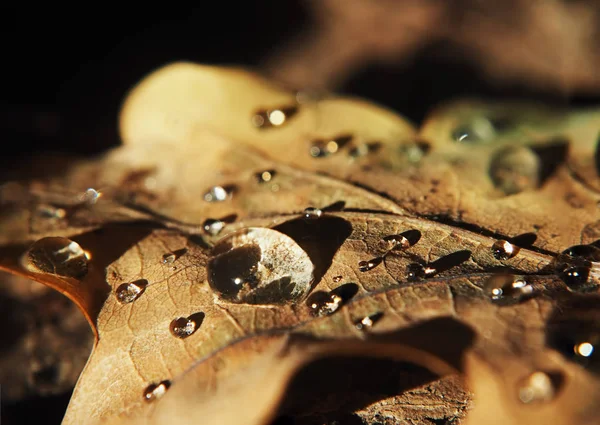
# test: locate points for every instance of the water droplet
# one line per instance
(265, 176)
(219, 193)
(259, 266)
(337, 279)
(276, 117)
(367, 322)
(414, 152)
(90, 196)
(506, 287)
(403, 240)
(50, 211)
(578, 341)
(170, 257)
(182, 327)
(575, 268)
(312, 213)
(588, 252)
(515, 169)
(131, 291)
(155, 391)
(364, 149)
(537, 387)
(504, 250)
(365, 266)
(213, 226)
(322, 303)
(479, 129)
(321, 148)
(415, 271)
(57, 255)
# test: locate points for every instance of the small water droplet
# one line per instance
(504, 250)
(506, 287)
(537, 387)
(265, 176)
(575, 268)
(365, 266)
(415, 271)
(276, 117)
(56, 255)
(367, 322)
(155, 391)
(311, 213)
(90, 196)
(403, 240)
(337, 279)
(213, 226)
(219, 193)
(323, 303)
(182, 327)
(364, 149)
(259, 266)
(50, 211)
(480, 129)
(515, 169)
(414, 152)
(321, 148)
(131, 291)
(169, 258)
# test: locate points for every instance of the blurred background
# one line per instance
(67, 69)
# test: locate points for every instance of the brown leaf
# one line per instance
(210, 285)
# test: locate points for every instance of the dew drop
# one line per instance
(504, 250)
(265, 176)
(169, 258)
(90, 196)
(365, 266)
(276, 117)
(259, 266)
(537, 387)
(364, 149)
(367, 322)
(182, 327)
(574, 267)
(506, 287)
(213, 226)
(416, 271)
(337, 279)
(403, 240)
(312, 213)
(219, 193)
(131, 291)
(323, 303)
(50, 211)
(588, 252)
(321, 148)
(56, 255)
(578, 340)
(155, 391)
(515, 169)
(479, 129)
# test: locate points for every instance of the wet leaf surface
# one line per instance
(323, 260)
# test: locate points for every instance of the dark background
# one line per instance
(66, 70)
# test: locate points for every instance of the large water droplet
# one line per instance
(504, 250)
(155, 391)
(276, 117)
(182, 327)
(322, 303)
(131, 291)
(575, 268)
(57, 255)
(506, 287)
(537, 387)
(365, 266)
(515, 168)
(259, 266)
(403, 240)
(416, 271)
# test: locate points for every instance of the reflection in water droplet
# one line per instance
(367, 322)
(515, 168)
(155, 391)
(537, 387)
(276, 117)
(182, 327)
(321, 148)
(56, 255)
(365, 266)
(259, 266)
(312, 213)
(129, 292)
(480, 129)
(506, 287)
(50, 211)
(265, 176)
(504, 250)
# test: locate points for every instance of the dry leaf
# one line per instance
(249, 252)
